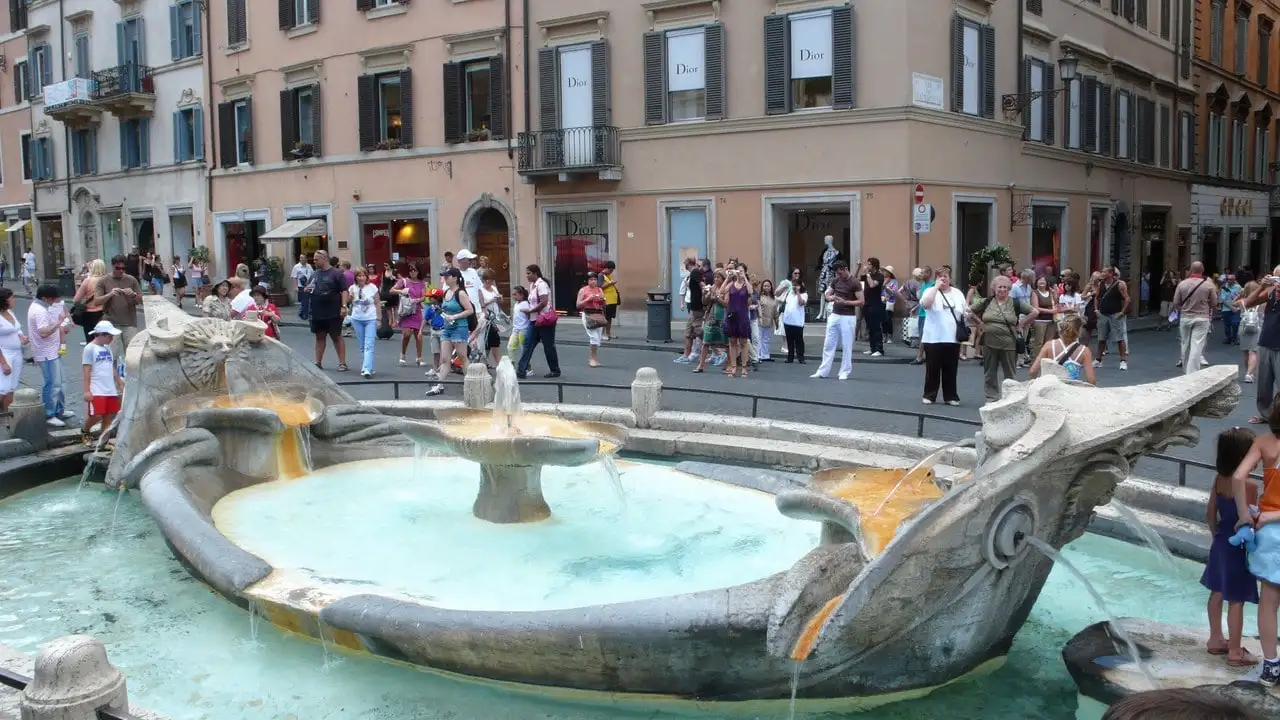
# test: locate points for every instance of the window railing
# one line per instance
(565, 149)
(123, 80)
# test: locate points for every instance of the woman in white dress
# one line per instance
(11, 342)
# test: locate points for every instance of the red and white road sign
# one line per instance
(919, 194)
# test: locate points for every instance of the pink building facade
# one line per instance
(15, 138)
(386, 130)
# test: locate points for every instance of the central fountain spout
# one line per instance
(512, 447)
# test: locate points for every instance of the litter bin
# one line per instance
(659, 316)
(67, 282)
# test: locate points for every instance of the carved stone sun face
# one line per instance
(206, 346)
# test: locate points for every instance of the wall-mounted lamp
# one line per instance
(1016, 103)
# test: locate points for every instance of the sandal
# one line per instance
(698, 370)
(1255, 420)
(342, 367)
(1246, 659)
(319, 366)
(1216, 650)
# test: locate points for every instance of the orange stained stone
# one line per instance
(289, 461)
(480, 427)
(867, 488)
(291, 413)
(809, 636)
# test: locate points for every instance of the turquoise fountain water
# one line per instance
(189, 654)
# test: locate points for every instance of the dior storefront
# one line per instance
(1230, 228)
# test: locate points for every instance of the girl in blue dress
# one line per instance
(1226, 574)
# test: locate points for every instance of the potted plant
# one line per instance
(303, 150)
(981, 261)
(478, 135)
(199, 254)
(387, 145)
(275, 282)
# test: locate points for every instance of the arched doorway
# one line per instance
(492, 239)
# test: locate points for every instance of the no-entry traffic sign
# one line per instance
(919, 194)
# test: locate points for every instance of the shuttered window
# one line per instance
(1260, 153)
(1142, 13)
(42, 159)
(1166, 18)
(1241, 44)
(384, 105)
(21, 81)
(1129, 10)
(1264, 54)
(135, 143)
(84, 151)
(1217, 18)
(1089, 112)
(1237, 149)
(300, 125)
(810, 60)
(1073, 112)
(1124, 125)
(1186, 141)
(237, 23)
(1145, 131)
(188, 134)
(473, 98)
(1164, 135)
(684, 75)
(83, 61)
(1038, 117)
(1035, 7)
(184, 30)
(972, 67)
(1106, 120)
(17, 15)
(39, 68)
(235, 133)
(1214, 149)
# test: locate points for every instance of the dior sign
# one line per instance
(686, 59)
(811, 45)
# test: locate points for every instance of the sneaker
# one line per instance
(365, 374)
(1124, 364)
(683, 360)
(818, 375)
(1204, 363)
(926, 401)
(436, 389)
(877, 354)
(1248, 379)
(1178, 364)
(54, 422)
(66, 415)
(1270, 673)
(431, 375)
(1098, 363)
(843, 376)
(866, 352)
(87, 440)
(403, 362)
(953, 403)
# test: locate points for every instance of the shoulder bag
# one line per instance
(963, 333)
(548, 317)
(1176, 313)
(406, 305)
(1019, 342)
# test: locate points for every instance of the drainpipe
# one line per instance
(212, 120)
(66, 133)
(524, 27)
(506, 89)
(1021, 80)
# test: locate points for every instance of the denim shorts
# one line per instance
(459, 333)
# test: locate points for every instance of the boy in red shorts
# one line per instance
(102, 384)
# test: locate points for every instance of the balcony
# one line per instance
(126, 91)
(571, 152)
(71, 102)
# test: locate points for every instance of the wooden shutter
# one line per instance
(957, 63)
(843, 66)
(15, 19)
(714, 72)
(317, 120)
(313, 10)
(197, 117)
(1089, 108)
(19, 75)
(453, 104)
(367, 110)
(406, 108)
(498, 97)
(1115, 7)
(1166, 118)
(288, 123)
(93, 149)
(1128, 11)
(987, 36)
(197, 31)
(1026, 92)
(1166, 18)
(1035, 7)
(1142, 13)
(548, 89)
(655, 78)
(1050, 113)
(601, 112)
(227, 134)
(144, 141)
(237, 25)
(178, 154)
(364, 4)
(777, 86)
(175, 24)
(288, 18)
(1104, 119)
(248, 135)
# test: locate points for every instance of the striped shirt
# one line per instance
(41, 317)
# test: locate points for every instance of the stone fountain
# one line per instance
(900, 595)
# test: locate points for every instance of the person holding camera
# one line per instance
(944, 331)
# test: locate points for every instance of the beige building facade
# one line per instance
(753, 130)
(16, 230)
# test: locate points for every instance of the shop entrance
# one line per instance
(806, 230)
(973, 233)
(1235, 248)
(1154, 234)
(398, 241)
(1255, 251)
(1211, 241)
(492, 247)
(1046, 239)
(579, 248)
(144, 235)
(243, 243)
(1097, 245)
(55, 254)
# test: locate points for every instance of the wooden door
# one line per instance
(494, 247)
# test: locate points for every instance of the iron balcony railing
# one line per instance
(569, 149)
(123, 80)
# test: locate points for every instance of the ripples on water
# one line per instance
(188, 653)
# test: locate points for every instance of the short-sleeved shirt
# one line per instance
(41, 316)
(326, 298)
(102, 373)
(1195, 297)
(875, 295)
(1000, 322)
(845, 288)
(122, 311)
(611, 292)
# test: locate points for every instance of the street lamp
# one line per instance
(1016, 103)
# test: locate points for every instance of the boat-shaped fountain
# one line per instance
(875, 583)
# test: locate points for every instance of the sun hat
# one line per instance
(465, 254)
(104, 327)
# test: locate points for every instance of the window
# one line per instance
(184, 30)
(1144, 130)
(84, 152)
(84, 65)
(686, 79)
(17, 15)
(40, 65)
(1098, 108)
(972, 67)
(1166, 18)
(809, 60)
(684, 75)
(1217, 18)
(1166, 135)
(243, 132)
(1142, 13)
(389, 107)
(1035, 7)
(21, 82)
(1075, 113)
(237, 23)
(28, 161)
(1038, 117)
(301, 12)
(298, 13)
(1260, 153)
(300, 122)
(1242, 43)
(1217, 142)
(188, 134)
(1237, 149)
(1186, 138)
(1264, 53)
(1123, 127)
(42, 158)
(135, 143)
(476, 97)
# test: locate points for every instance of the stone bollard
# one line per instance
(646, 396)
(28, 421)
(477, 386)
(72, 680)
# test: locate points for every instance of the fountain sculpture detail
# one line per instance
(898, 597)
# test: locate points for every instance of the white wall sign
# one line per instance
(1037, 105)
(686, 60)
(971, 70)
(811, 45)
(575, 104)
(926, 91)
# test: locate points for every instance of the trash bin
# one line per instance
(659, 316)
(67, 282)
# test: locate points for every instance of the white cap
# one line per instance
(104, 326)
(465, 254)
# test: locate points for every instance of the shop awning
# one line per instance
(21, 224)
(294, 229)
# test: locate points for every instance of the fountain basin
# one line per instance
(295, 405)
(523, 439)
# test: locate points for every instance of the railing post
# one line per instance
(755, 407)
(1182, 474)
(395, 389)
(646, 396)
(559, 393)
(72, 680)
(920, 425)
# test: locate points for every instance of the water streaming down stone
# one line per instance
(795, 688)
(609, 464)
(926, 463)
(115, 512)
(1130, 646)
(1148, 535)
(506, 391)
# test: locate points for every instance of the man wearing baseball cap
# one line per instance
(471, 281)
(102, 384)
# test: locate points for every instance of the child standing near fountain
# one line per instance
(103, 385)
(520, 309)
(1264, 555)
(1226, 574)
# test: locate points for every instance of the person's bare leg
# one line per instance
(1124, 349)
(446, 359)
(319, 348)
(404, 343)
(1217, 643)
(340, 346)
(702, 358)
(592, 353)
(1235, 633)
(417, 344)
(1268, 603)
(1251, 362)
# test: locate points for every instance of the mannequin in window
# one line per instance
(826, 272)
